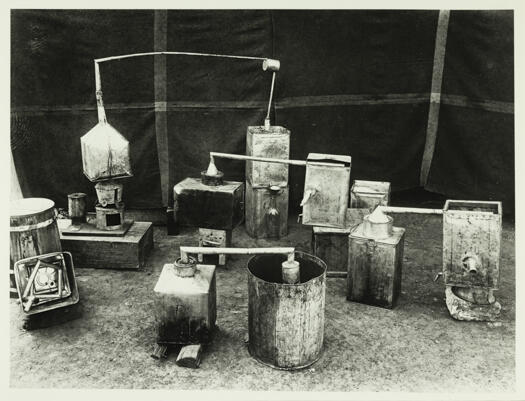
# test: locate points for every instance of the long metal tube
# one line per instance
(185, 250)
(258, 159)
(397, 209)
(98, 82)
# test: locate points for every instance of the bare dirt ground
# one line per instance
(416, 346)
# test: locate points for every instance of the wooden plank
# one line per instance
(87, 229)
(127, 252)
(190, 356)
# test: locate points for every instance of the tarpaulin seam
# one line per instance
(284, 103)
(435, 98)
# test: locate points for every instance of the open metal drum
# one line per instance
(286, 321)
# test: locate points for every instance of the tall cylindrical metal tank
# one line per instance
(286, 321)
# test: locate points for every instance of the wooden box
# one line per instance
(331, 244)
(257, 203)
(185, 307)
(273, 142)
(369, 194)
(112, 252)
(374, 268)
(471, 229)
(206, 206)
(210, 237)
(326, 190)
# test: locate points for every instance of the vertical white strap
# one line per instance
(435, 95)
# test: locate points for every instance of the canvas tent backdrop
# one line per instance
(351, 82)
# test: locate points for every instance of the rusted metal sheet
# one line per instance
(273, 142)
(369, 194)
(471, 243)
(185, 307)
(331, 244)
(326, 190)
(257, 205)
(374, 267)
(286, 321)
(206, 206)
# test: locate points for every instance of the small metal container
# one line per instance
(77, 207)
(109, 192)
(369, 194)
(110, 218)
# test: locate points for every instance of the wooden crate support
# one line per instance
(331, 244)
(125, 252)
(207, 206)
(214, 238)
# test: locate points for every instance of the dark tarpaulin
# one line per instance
(385, 55)
(474, 155)
(352, 82)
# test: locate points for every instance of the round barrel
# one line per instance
(286, 321)
(34, 230)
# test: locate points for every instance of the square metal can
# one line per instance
(375, 268)
(273, 142)
(257, 204)
(185, 307)
(471, 243)
(326, 190)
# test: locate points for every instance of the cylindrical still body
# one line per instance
(286, 321)
(33, 230)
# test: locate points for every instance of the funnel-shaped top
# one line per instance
(105, 153)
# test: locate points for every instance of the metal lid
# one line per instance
(29, 206)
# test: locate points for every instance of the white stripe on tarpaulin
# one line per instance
(435, 95)
(160, 34)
